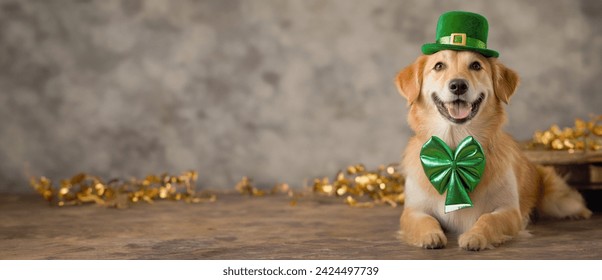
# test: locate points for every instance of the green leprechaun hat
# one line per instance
(461, 31)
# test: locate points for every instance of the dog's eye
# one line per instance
(475, 66)
(439, 66)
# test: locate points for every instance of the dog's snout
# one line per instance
(458, 86)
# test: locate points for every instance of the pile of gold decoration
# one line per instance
(84, 188)
(584, 136)
(358, 186)
(365, 188)
(246, 187)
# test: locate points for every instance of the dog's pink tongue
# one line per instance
(458, 110)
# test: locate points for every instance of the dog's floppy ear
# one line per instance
(505, 80)
(409, 80)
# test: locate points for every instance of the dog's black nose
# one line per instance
(458, 86)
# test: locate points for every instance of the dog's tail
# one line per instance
(559, 200)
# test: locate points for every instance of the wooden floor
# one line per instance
(238, 227)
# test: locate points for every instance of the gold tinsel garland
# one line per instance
(584, 136)
(83, 188)
(358, 186)
(384, 185)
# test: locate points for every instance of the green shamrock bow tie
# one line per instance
(458, 172)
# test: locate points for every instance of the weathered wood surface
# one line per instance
(563, 157)
(237, 227)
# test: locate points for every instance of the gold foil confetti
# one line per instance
(365, 188)
(359, 187)
(83, 188)
(583, 136)
(245, 186)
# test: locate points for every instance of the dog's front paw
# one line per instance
(432, 240)
(473, 241)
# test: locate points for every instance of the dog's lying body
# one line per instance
(452, 95)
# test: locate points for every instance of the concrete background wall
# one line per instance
(276, 90)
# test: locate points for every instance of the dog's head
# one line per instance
(460, 86)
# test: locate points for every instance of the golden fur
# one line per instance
(511, 187)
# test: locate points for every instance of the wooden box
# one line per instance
(581, 169)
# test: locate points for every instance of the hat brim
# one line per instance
(435, 47)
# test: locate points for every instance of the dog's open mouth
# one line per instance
(458, 111)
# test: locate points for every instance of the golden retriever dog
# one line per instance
(452, 95)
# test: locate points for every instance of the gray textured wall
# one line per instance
(277, 90)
